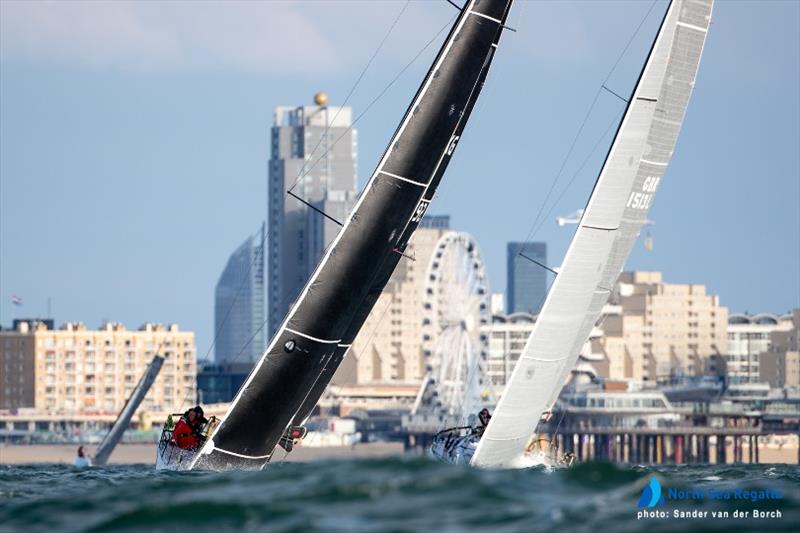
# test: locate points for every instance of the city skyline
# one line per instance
(159, 151)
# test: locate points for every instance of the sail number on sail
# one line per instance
(641, 200)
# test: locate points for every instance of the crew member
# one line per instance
(186, 434)
(483, 421)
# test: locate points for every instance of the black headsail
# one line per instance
(317, 332)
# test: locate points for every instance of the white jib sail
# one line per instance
(608, 229)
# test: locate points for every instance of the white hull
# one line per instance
(170, 457)
(458, 449)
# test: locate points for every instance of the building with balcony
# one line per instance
(388, 349)
(74, 369)
(748, 338)
(779, 365)
(507, 335)
(655, 331)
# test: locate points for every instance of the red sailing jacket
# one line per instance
(183, 435)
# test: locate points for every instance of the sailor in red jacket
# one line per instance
(186, 434)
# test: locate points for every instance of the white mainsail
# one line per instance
(610, 225)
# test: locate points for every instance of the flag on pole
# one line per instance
(16, 300)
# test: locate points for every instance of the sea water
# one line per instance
(398, 494)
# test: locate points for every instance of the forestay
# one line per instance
(319, 328)
(608, 229)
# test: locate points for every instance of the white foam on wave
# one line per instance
(530, 460)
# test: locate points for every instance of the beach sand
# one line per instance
(145, 453)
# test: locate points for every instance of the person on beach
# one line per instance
(82, 460)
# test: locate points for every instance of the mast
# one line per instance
(610, 225)
(317, 332)
(122, 422)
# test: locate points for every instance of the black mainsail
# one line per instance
(317, 332)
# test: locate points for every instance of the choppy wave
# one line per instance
(397, 494)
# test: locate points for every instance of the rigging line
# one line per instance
(630, 41)
(236, 296)
(264, 323)
(472, 371)
(246, 344)
(615, 94)
(352, 90)
(318, 210)
(266, 237)
(217, 332)
(375, 100)
(372, 335)
(578, 171)
(286, 298)
(564, 411)
(454, 4)
(375, 329)
(561, 195)
(290, 294)
(359, 117)
(532, 260)
(532, 230)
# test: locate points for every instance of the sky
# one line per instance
(134, 141)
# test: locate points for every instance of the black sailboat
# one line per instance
(299, 362)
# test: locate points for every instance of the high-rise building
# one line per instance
(748, 338)
(388, 349)
(239, 304)
(780, 365)
(526, 282)
(655, 330)
(74, 369)
(314, 153)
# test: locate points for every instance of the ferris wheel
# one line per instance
(454, 307)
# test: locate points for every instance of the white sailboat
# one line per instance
(609, 226)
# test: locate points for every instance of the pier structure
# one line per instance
(675, 446)
(644, 428)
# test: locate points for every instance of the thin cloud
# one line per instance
(261, 37)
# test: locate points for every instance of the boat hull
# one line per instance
(170, 457)
(457, 447)
(457, 451)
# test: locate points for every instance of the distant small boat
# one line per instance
(609, 226)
